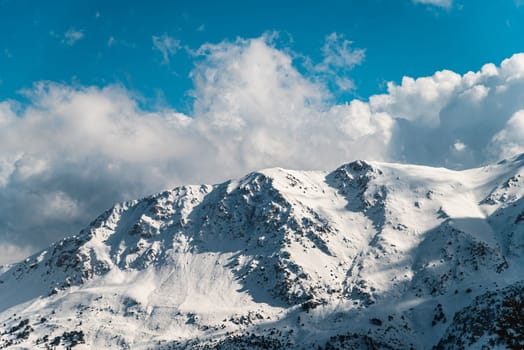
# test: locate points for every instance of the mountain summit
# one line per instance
(369, 256)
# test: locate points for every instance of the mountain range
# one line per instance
(369, 256)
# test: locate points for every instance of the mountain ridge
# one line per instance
(364, 254)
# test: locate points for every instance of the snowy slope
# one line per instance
(370, 255)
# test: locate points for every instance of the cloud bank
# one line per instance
(72, 151)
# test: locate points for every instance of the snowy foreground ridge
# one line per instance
(369, 256)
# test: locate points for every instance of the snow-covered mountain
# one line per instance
(369, 256)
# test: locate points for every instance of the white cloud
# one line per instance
(439, 3)
(433, 112)
(510, 140)
(419, 99)
(339, 58)
(338, 53)
(71, 152)
(113, 41)
(71, 36)
(10, 253)
(167, 45)
(459, 146)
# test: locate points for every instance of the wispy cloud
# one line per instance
(339, 58)
(438, 3)
(111, 41)
(71, 36)
(338, 53)
(167, 45)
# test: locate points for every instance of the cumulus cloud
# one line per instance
(439, 3)
(471, 108)
(167, 46)
(72, 151)
(419, 99)
(510, 140)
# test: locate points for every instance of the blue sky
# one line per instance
(114, 44)
(106, 101)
